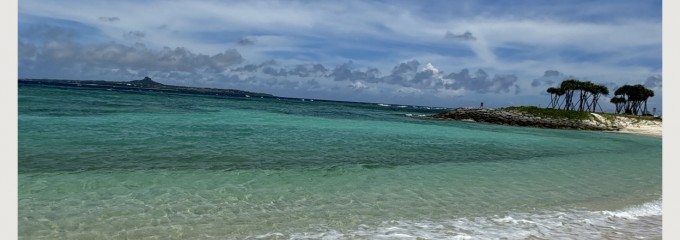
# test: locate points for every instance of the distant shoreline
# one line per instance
(145, 84)
(591, 121)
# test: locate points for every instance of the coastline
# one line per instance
(646, 130)
(593, 121)
(632, 126)
(146, 84)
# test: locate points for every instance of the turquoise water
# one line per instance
(109, 164)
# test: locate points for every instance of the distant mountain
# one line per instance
(145, 84)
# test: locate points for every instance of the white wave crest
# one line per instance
(625, 224)
(647, 209)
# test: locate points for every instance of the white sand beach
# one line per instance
(632, 125)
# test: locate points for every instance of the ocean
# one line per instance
(98, 164)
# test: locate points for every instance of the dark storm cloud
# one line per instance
(246, 68)
(549, 78)
(62, 58)
(300, 70)
(109, 19)
(466, 36)
(272, 71)
(220, 61)
(306, 70)
(72, 60)
(255, 67)
(428, 78)
(401, 73)
(407, 67)
(481, 83)
(407, 74)
(425, 77)
(370, 75)
(134, 35)
(245, 42)
(344, 72)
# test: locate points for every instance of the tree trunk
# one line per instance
(568, 100)
(596, 97)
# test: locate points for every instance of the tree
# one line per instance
(587, 89)
(635, 98)
(569, 86)
(647, 94)
(597, 91)
(555, 95)
(589, 95)
(619, 102)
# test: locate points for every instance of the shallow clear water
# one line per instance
(111, 164)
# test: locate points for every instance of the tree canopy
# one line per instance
(632, 99)
(578, 95)
(588, 95)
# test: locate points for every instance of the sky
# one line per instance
(428, 53)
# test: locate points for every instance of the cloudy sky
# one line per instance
(434, 53)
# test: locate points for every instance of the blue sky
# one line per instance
(434, 53)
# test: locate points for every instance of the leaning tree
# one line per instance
(619, 102)
(584, 90)
(597, 91)
(569, 87)
(588, 95)
(555, 96)
(647, 94)
(633, 98)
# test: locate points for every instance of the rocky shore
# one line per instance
(518, 118)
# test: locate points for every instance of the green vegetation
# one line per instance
(552, 113)
(576, 115)
(634, 117)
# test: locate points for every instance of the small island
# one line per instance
(551, 118)
(145, 84)
(572, 106)
(527, 116)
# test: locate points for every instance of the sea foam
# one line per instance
(643, 221)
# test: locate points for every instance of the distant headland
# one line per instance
(145, 84)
